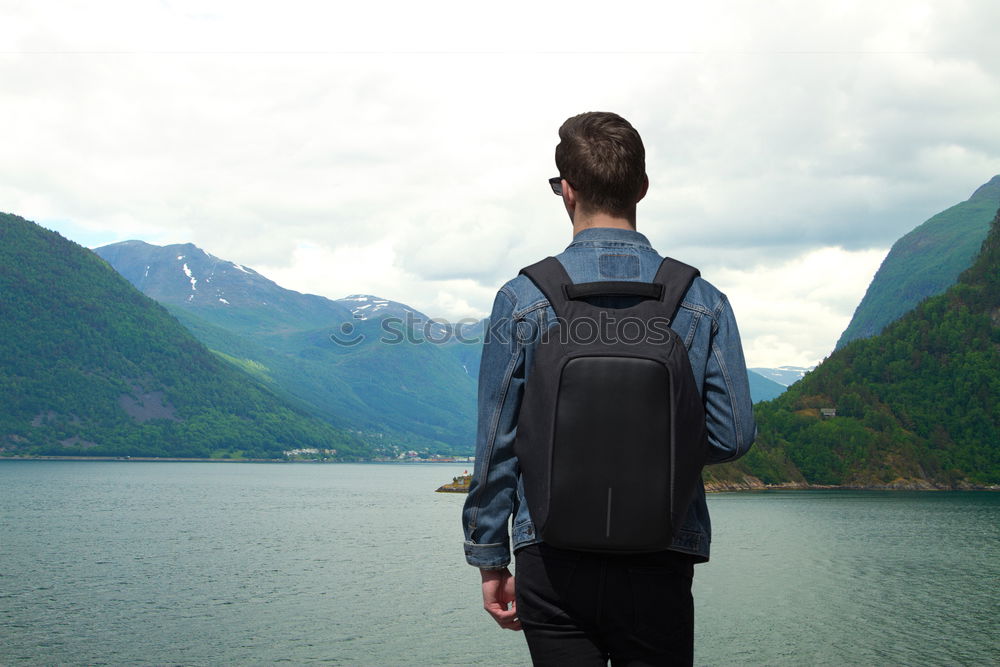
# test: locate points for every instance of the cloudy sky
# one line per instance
(401, 149)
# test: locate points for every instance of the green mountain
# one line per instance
(90, 366)
(372, 365)
(915, 406)
(924, 262)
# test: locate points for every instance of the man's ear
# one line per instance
(645, 188)
(569, 198)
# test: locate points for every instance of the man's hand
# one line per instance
(498, 593)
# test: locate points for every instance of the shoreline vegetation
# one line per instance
(746, 483)
(900, 484)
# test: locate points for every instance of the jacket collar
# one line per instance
(594, 236)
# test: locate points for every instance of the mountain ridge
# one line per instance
(184, 274)
(989, 190)
(925, 261)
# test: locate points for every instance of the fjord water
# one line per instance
(204, 564)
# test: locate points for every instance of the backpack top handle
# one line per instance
(614, 288)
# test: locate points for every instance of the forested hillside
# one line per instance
(916, 406)
(925, 262)
(90, 366)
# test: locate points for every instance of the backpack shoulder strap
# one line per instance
(551, 278)
(676, 277)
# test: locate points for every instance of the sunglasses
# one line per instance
(556, 184)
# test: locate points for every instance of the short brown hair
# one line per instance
(602, 157)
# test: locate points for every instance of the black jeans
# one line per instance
(583, 609)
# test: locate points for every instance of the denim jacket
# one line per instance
(704, 321)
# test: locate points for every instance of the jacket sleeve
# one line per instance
(728, 407)
(493, 491)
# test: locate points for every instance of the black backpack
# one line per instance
(611, 434)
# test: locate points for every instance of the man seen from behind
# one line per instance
(581, 607)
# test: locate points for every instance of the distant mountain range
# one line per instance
(375, 366)
(783, 375)
(225, 293)
(90, 366)
(925, 262)
(763, 388)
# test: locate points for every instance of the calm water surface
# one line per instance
(204, 564)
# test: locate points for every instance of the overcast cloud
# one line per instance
(401, 149)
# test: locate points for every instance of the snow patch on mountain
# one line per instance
(194, 281)
(361, 303)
